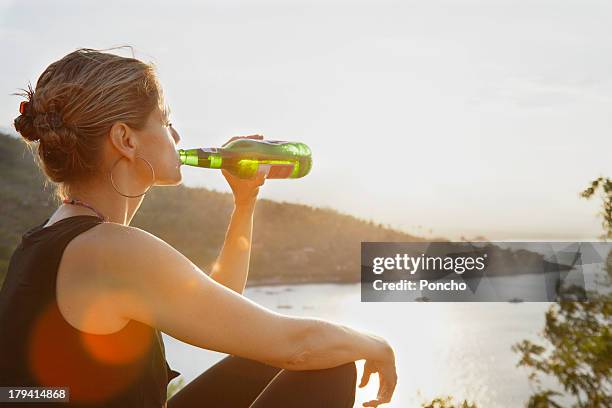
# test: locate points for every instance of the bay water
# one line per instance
(459, 349)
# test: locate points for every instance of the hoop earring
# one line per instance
(127, 195)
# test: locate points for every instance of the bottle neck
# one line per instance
(211, 157)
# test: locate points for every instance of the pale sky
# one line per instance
(463, 117)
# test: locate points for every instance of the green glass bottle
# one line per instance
(245, 157)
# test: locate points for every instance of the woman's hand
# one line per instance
(387, 376)
(245, 190)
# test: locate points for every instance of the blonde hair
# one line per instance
(76, 101)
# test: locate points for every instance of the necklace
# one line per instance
(74, 201)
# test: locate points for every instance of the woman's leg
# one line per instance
(329, 388)
(240, 383)
(232, 382)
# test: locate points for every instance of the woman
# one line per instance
(87, 295)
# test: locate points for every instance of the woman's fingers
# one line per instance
(378, 401)
(365, 377)
(243, 137)
(231, 140)
(384, 395)
(386, 386)
(244, 190)
(375, 403)
(260, 179)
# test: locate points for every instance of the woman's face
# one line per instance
(159, 142)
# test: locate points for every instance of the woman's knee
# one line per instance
(329, 387)
(340, 378)
(344, 383)
(342, 374)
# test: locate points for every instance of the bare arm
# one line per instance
(231, 268)
(157, 285)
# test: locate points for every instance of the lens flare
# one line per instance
(94, 367)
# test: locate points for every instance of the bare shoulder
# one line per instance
(110, 234)
(132, 248)
(121, 255)
(112, 243)
(130, 274)
(92, 280)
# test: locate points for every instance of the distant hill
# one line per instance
(291, 243)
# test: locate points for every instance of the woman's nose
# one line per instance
(175, 135)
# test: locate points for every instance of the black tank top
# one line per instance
(38, 347)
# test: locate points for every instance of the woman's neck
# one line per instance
(106, 201)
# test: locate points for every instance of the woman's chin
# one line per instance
(170, 181)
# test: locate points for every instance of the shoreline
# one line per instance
(281, 282)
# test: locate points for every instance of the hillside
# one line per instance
(291, 243)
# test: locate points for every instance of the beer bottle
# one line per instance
(246, 157)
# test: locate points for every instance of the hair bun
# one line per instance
(33, 125)
(47, 121)
(25, 126)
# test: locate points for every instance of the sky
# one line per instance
(438, 118)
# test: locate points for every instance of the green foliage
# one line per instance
(605, 185)
(447, 402)
(578, 348)
(291, 243)
(175, 387)
(543, 400)
(579, 353)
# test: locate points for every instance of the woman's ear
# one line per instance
(123, 139)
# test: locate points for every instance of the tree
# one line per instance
(447, 402)
(579, 336)
(605, 184)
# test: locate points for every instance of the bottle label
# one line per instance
(278, 171)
